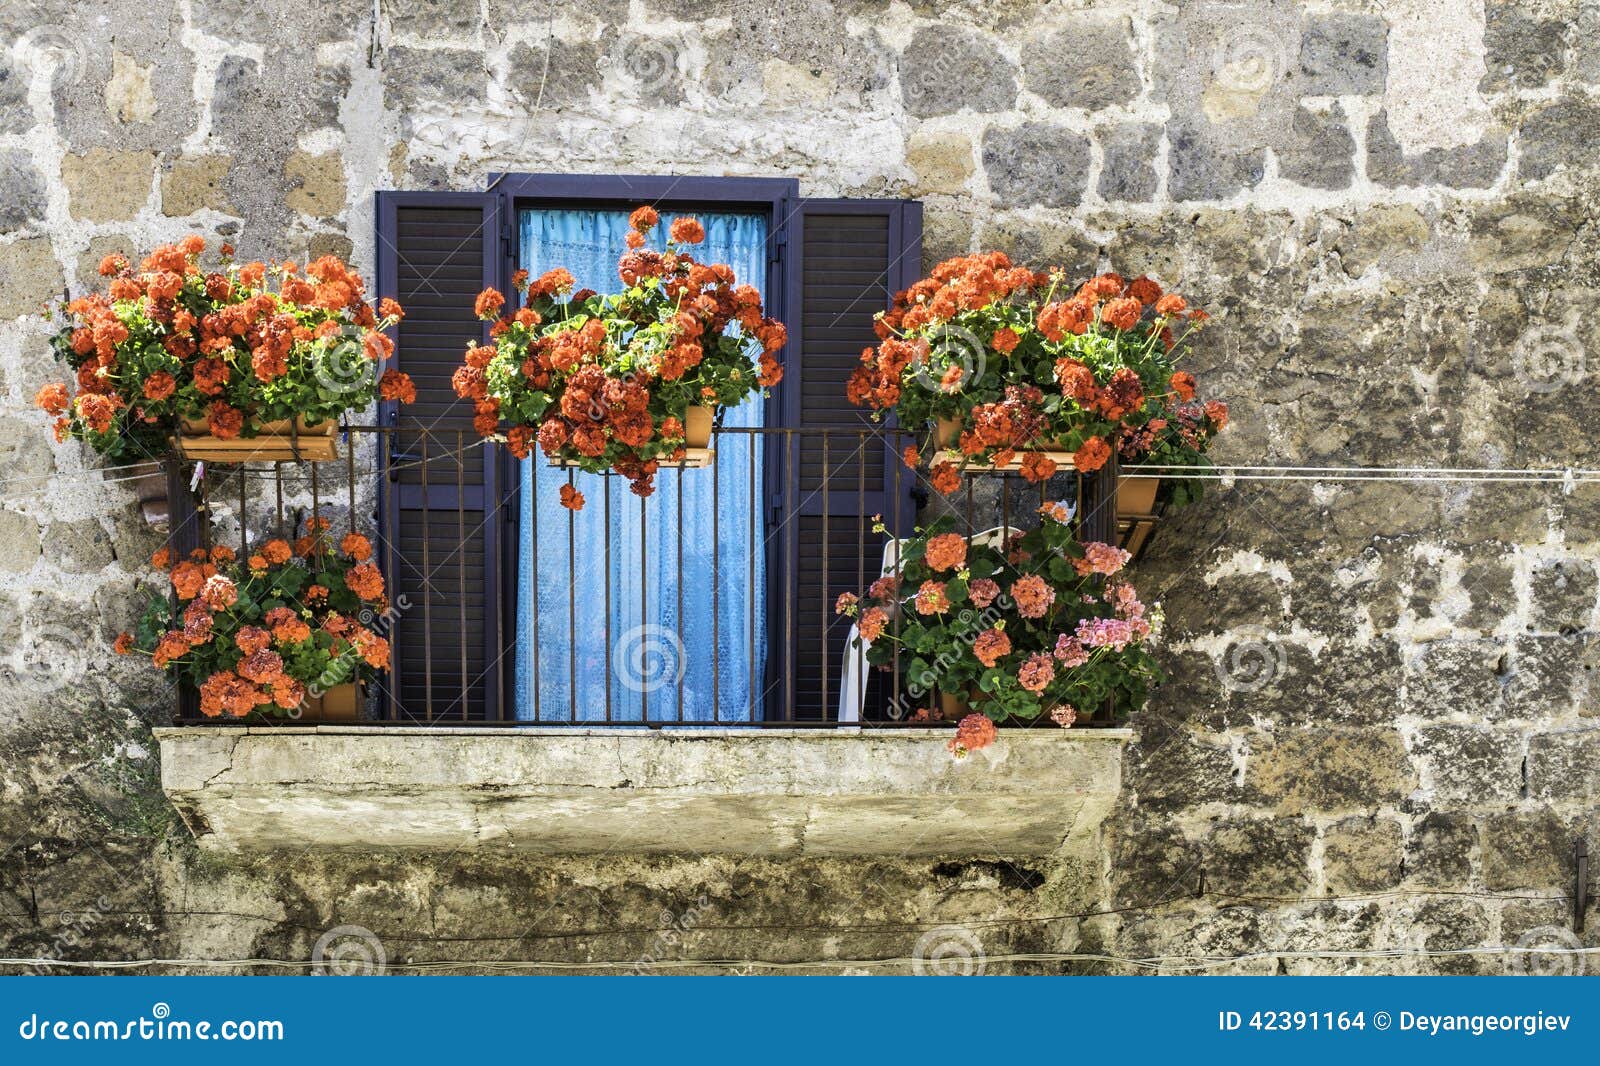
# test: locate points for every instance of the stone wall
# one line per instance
(1379, 733)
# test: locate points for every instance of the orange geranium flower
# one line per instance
(945, 479)
(571, 498)
(947, 551)
(973, 732)
(276, 552)
(1091, 455)
(356, 546)
(365, 581)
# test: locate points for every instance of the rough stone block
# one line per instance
(22, 191)
(1344, 54)
(194, 183)
(941, 161)
(1304, 769)
(1088, 64)
(107, 186)
(1128, 172)
(1563, 595)
(1463, 764)
(1319, 150)
(316, 184)
(946, 69)
(1439, 849)
(1526, 850)
(1036, 163)
(1473, 166)
(1559, 135)
(1361, 855)
(1203, 167)
(1522, 50)
(29, 278)
(1258, 857)
(1565, 766)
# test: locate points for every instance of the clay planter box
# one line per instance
(274, 441)
(947, 434)
(697, 453)
(341, 703)
(1136, 496)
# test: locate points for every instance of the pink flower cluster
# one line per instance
(1101, 558)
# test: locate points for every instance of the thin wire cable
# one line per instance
(1152, 962)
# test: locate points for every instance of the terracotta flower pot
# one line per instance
(697, 427)
(953, 706)
(341, 703)
(947, 432)
(1137, 495)
(276, 440)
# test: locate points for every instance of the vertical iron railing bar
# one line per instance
(605, 500)
(572, 609)
(461, 571)
(531, 536)
(899, 593)
(392, 549)
(716, 578)
(680, 650)
(791, 580)
(861, 564)
(427, 580)
(825, 562)
(750, 580)
(644, 614)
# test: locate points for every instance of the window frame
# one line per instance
(778, 198)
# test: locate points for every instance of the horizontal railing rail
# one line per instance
(708, 603)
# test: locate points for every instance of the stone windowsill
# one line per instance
(690, 789)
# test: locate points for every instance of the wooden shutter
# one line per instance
(441, 520)
(849, 259)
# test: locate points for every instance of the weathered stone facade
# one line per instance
(1379, 732)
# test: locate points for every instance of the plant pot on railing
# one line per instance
(341, 703)
(281, 439)
(1136, 496)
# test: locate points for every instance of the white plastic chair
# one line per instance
(853, 663)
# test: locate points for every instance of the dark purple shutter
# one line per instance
(849, 259)
(441, 520)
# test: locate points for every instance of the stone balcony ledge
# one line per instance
(571, 790)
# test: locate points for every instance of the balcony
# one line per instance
(522, 710)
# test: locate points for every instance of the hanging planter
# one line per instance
(216, 361)
(1019, 370)
(629, 381)
(282, 439)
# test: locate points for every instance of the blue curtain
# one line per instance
(656, 650)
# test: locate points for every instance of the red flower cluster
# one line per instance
(247, 637)
(975, 342)
(174, 341)
(606, 382)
